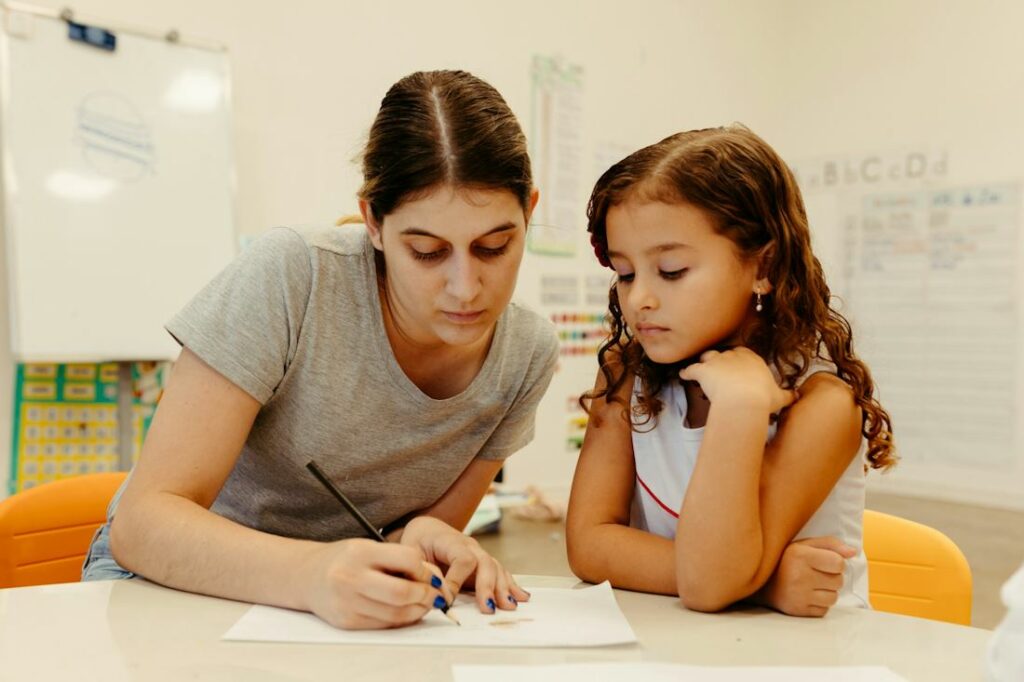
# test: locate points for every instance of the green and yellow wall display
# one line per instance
(66, 418)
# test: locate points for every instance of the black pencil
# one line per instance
(358, 516)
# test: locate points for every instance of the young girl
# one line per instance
(389, 354)
(730, 416)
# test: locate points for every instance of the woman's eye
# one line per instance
(492, 251)
(626, 278)
(673, 274)
(428, 255)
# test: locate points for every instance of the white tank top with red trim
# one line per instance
(666, 455)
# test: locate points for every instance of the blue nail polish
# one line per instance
(490, 604)
(435, 581)
(439, 602)
(513, 600)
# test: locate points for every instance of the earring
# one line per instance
(759, 306)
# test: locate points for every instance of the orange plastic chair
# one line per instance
(45, 531)
(915, 570)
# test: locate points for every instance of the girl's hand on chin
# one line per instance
(739, 378)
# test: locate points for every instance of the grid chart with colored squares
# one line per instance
(579, 333)
(66, 418)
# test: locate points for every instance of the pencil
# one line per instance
(358, 516)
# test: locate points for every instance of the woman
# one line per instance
(389, 354)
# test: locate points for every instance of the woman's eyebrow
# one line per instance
(420, 232)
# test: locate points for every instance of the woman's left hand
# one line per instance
(465, 563)
(738, 377)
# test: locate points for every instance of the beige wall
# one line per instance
(814, 78)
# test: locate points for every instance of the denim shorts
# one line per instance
(99, 563)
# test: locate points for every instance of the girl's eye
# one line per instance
(673, 274)
(626, 278)
(428, 256)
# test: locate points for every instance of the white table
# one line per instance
(135, 630)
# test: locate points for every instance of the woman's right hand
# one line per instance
(365, 585)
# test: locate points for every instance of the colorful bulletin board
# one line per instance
(66, 419)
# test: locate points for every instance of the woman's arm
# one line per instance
(437, 531)
(745, 501)
(163, 528)
(600, 543)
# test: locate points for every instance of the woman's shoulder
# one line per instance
(343, 240)
(526, 325)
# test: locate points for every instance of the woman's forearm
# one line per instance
(175, 542)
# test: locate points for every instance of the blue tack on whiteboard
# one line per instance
(92, 35)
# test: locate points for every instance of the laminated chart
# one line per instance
(66, 420)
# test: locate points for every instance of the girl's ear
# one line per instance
(372, 227)
(762, 286)
(764, 261)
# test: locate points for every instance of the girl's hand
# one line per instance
(368, 585)
(467, 564)
(738, 377)
(808, 578)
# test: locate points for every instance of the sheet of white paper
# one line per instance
(554, 617)
(666, 672)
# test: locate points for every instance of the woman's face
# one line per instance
(452, 261)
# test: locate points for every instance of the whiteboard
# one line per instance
(117, 188)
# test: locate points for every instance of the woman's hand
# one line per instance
(467, 564)
(367, 585)
(808, 578)
(739, 378)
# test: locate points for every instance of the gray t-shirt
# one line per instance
(296, 322)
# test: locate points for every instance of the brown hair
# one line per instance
(754, 201)
(439, 128)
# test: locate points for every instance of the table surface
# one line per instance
(136, 630)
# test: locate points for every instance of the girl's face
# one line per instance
(452, 261)
(682, 287)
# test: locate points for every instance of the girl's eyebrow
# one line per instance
(658, 248)
(420, 232)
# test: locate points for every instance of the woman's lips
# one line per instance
(464, 317)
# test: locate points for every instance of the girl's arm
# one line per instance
(600, 543)
(163, 528)
(745, 501)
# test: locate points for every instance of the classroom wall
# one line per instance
(308, 77)
(817, 79)
(946, 80)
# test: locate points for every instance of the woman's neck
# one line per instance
(438, 369)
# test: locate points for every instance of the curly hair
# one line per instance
(753, 200)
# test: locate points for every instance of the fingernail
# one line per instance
(490, 604)
(435, 581)
(512, 599)
(439, 602)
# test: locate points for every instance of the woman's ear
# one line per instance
(372, 226)
(762, 286)
(534, 198)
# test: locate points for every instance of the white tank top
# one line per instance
(666, 454)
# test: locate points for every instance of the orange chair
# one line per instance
(915, 570)
(45, 531)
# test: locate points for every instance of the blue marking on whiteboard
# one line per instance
(116, 141)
